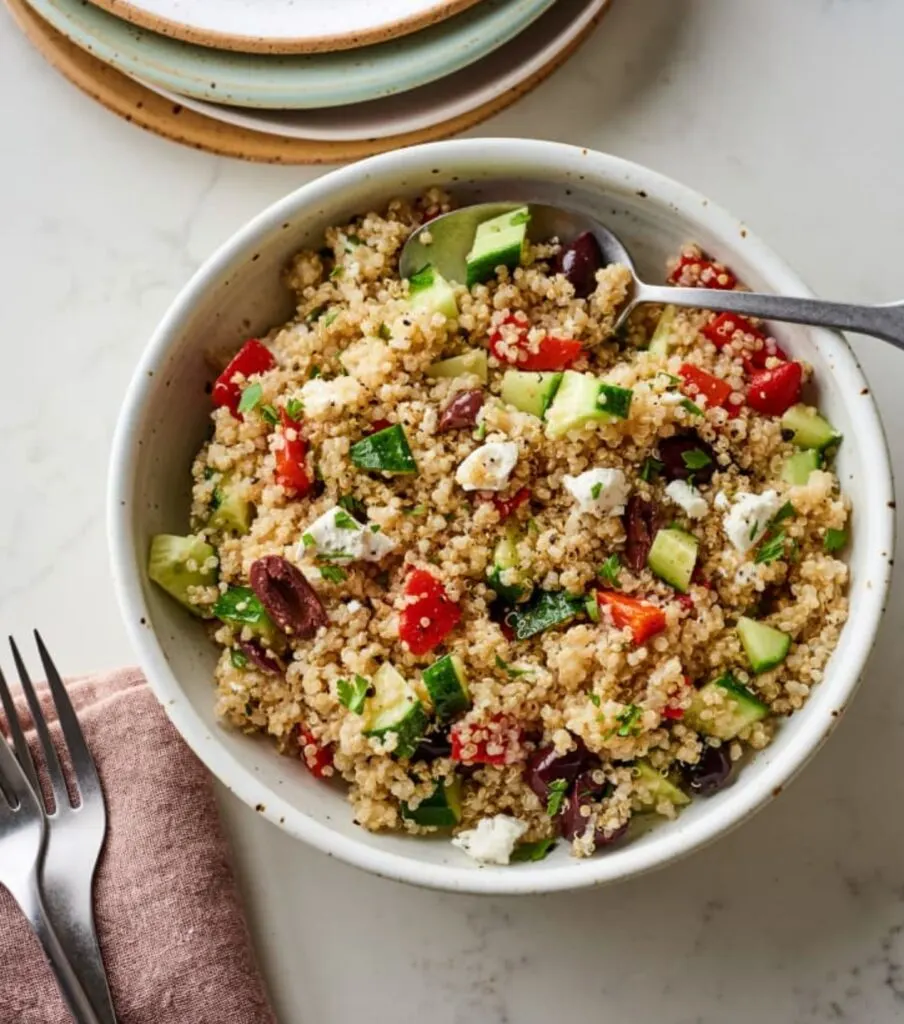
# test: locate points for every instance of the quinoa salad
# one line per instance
(505, 574)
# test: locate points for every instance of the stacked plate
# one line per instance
(375, 72)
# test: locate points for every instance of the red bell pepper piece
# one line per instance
(291, 459)
(716, 391)
(755, 347)
(317, 758)
(773, 392)
(551, 353)
(429, 615)
(672, 710)
(251, 358)
(642, 618)
(497, 741)
(695, 271)
(506, 506)
(378, 425)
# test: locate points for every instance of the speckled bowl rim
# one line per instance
(758, 788)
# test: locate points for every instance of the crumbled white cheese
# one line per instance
(354, 606)
(488, 467)
(671, 398)
(688, 497)
(323, 397)
(494, 839)
(749, 516)
(352, 540)
(604, 491)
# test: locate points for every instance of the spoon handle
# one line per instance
(886, 322)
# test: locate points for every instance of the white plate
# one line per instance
(458, 94)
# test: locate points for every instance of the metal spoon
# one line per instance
(452, 234)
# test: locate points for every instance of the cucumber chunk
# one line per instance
(673, 557)
(446, 683)
(659, 343)
(178, 563)
(240, 606)
(233, 510)
(505, 575)
(576, 402)
(808, 429)
(764, 645)
(498, 242)
(442, 809)
(547, 608)
(473, 361)
(654, 788)
(428, 289)
(387, 451)
(394, 708)
(800, 465)
(530, 392)
(723, 707)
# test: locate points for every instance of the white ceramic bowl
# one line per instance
(237, 293)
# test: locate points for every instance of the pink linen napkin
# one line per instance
(168, 914)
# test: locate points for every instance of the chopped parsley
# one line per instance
(308, 540)
(594, 699)
(238, 658)
(337, 272)
(417, 510)
(771, 549)
(513, 671)
(343, 521)
(251, 397)
(481, 432)
(354, 506)
(330, 317)
(269, 413)
(695, 459)
(835, 540)
(672, 379)
(375, 527)
(651, 468)
(315, 314)
(610, 570)
(352, 242)
(314, 372)
(295, 409)
(596, 490)
(628, 721)
(687, 404)
(754, 529)
(333, 574)
(556, 796)
(353, 694)
(384, 332)
(533, 851)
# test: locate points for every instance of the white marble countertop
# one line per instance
(783, 112)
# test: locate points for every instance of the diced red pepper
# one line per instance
(642, 618)
(317, 758)
(695, 271)
(291, 459)
(716, 391)
(773, 392)
(506, 506)
(672, 710)
(497, 741)
(755, 346)
(551, 353)
(251, 358)
(429, 615)
(379, 425)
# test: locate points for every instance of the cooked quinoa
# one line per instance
(594, 676)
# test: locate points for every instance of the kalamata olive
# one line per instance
(641, 522)
(586, 791)
(711, 772)
(461, 411)
(259, 655)
(545, 766)
(686, 455)
(579, 261)
(433, 746)
(290, 600)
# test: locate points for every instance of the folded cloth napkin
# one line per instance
(168, 914)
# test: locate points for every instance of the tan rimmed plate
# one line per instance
(137, 104)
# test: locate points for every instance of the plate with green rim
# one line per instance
(302, 81)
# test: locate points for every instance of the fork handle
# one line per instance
(886, 321)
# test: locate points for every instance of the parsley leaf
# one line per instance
(533, 851)
(610, 569)
(337, 272)
(353, 506)
(596, 490)
(330, 317)
(417, 510)
(314, 372)
(269, 413)
(754, 529)
(512, 670)
(333, 573)
(308, 540)
(343, 521)
(556, 796)
(384, 332)
(628, 721)
(695, 459)
(481, 432)
(251, 397)
(651, 468)
(687, 404)
(295, 409)
(783, 513)
(671, 377)
(353, 694)
(835, 540)
(594, 699)
(771, 550)
(238, 658)
(315, 314)
(352, 242)
(375, 527)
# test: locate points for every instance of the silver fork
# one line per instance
(23, 839)
(75, 834)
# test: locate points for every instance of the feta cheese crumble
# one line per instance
(688, 497)
(488, 467)
(321, 397)
(749, 515)
(340, 536)
(604, 491)
(494, 839)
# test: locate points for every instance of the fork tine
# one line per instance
(82, 761)
(18, 737)
(12, 775)
(54, 769)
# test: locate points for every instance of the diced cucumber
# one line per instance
(473, 361)
(387, 451)
(394, 708)
(498, 242)
(764, 645)
(530, 392)
(240, 606)
(654, 788)
(733, 709)
(808, 429)
(614, 400)
(233, 510)
(442, 809)
(546, 609)
(673, 557)
(428, 289)
(576, 402)
(800, 465)
(659, 342)
(178, 563)
(446, 683)
(515, 586)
